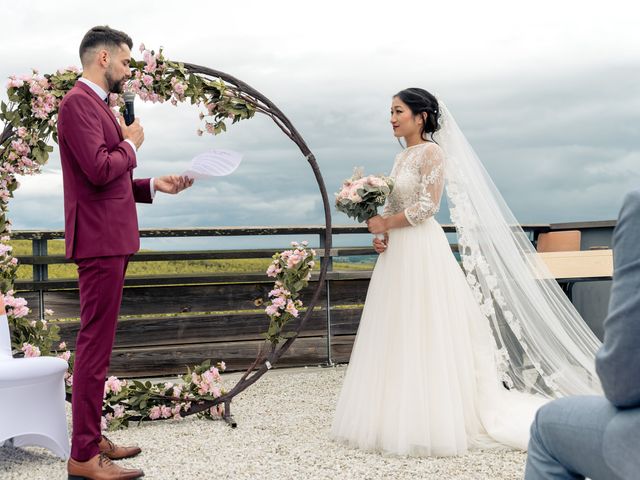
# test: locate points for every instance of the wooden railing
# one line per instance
(169, 321)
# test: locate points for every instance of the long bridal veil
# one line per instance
(542, 343)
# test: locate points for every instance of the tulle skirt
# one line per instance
(422, 378)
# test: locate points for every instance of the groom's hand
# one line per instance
(133, 132)
(172, 183)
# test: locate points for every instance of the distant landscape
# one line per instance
(249, 265)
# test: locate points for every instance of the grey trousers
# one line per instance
(567, 440)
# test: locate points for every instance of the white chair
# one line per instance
(32, 398)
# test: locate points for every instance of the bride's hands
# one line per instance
(380, 245)
(377, 224)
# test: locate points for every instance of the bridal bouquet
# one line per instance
(361, 196)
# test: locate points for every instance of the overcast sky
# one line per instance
(548, 93)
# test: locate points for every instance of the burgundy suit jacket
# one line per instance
(100, 215)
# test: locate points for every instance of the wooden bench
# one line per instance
(568, 268)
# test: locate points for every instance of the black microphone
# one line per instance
(129, 116)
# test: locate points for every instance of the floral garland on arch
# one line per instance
(30, 124)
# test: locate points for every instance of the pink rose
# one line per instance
(179, 89)
(65, 355)
(279, 302)
(293, 260)
(20, 147)
(271, 271)
(113, 384)
(177, 390)
(155, 413)
(20, 312)
(291, 309)
(15, 82)
(216, 373)
(208, 377)
(118, 411)
(30, 351)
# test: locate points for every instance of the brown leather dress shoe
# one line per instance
(100, 467)
(116, 452)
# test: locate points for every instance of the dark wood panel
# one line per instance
(159, 280)
(345, 321)
(175, 300)
(202, 298)
(156, 361)
(213, 328)
(583, 225)
(349, 292)
(33, 302)
(341, 347)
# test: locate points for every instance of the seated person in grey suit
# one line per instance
(597, 437)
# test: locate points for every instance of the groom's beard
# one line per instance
(115, 86)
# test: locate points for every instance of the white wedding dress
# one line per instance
(423, 377)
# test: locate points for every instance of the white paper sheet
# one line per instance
(213, 163)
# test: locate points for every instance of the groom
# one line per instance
(98, 155)
(597, 437)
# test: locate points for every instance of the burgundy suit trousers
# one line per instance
(101, 280)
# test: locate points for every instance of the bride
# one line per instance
(445, 359)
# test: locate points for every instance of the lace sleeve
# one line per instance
(386, 211)
(431, 186)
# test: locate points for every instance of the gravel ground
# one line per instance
(283, 426)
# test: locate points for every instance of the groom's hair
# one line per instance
(102, 36)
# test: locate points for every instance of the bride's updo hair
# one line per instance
(420, 101)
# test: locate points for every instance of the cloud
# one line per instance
(550, 102)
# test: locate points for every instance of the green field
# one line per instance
(185, 267)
